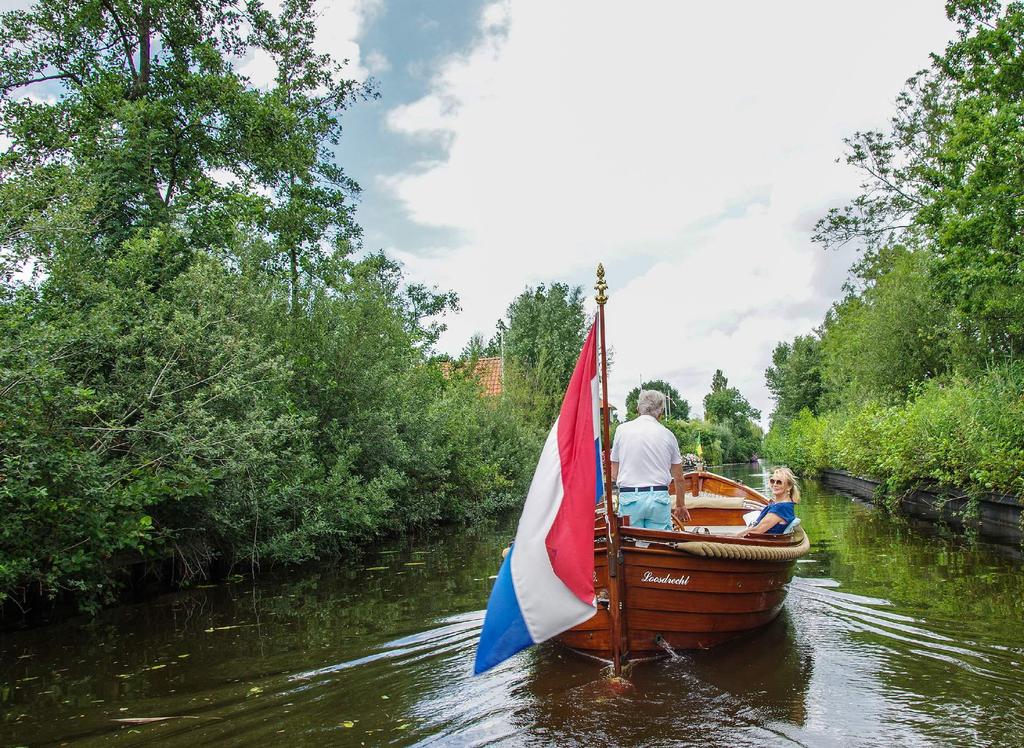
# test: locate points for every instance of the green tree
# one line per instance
(717, 441)
(547, 325)
(543, 332)
(310, 209)
(794, 378)
(725, 404)
(678, 408)
(884, 341)
(948, 176)
(718, 381)
(150, 109)
(477, 347)
(199, 369)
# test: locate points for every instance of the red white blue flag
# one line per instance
(546, 583)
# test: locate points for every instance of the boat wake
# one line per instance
(905, 641)
(456, 632)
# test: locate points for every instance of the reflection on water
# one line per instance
(889, 635)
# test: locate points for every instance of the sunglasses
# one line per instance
(773, 481)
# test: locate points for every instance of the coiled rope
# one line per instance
(710, 549)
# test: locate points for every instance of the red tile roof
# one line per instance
(487, 372)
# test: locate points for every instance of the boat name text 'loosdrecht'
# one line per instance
(649, 577)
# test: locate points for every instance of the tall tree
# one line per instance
(477, 347)
(542, 334)
(794, 378)
(678, 408)
(310, 215)
(150, 129)
(545, 329)
(725, 404)
(719, 381)
(725, 407)
(948, 176)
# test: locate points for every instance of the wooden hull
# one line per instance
(674, 597)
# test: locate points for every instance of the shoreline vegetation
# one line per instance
(202, 362)
(200, 358)
(915, 377)
(965, 435)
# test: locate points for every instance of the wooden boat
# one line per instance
(694, 587)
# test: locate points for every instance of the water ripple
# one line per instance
(429, 642)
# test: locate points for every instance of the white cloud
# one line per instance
(428, 24)
(377, 63)
(674, 137)
(340, 23)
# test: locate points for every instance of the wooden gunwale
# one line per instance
(699, 480)
(679, 560)
(671, 537)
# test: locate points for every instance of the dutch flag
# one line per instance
(546, 583)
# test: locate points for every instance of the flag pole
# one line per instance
(615, 586)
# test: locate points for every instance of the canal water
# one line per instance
(892, 635)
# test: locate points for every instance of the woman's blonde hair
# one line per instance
(794, 488)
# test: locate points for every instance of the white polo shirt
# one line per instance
(645, 451)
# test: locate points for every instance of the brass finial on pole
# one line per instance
(616, 587)
(601, 286)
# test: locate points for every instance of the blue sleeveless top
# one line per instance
(786, 510)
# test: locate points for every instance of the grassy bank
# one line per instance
(964, 434)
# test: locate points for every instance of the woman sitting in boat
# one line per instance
(777, 516)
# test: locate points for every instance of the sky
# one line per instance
(690, 147)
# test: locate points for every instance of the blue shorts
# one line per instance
(649, 509)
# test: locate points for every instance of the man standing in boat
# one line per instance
(645, 458)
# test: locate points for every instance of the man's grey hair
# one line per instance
(650, 403)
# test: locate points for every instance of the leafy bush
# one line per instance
(198, 367)
(962, 434)
(203, 420)
(799, 444)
